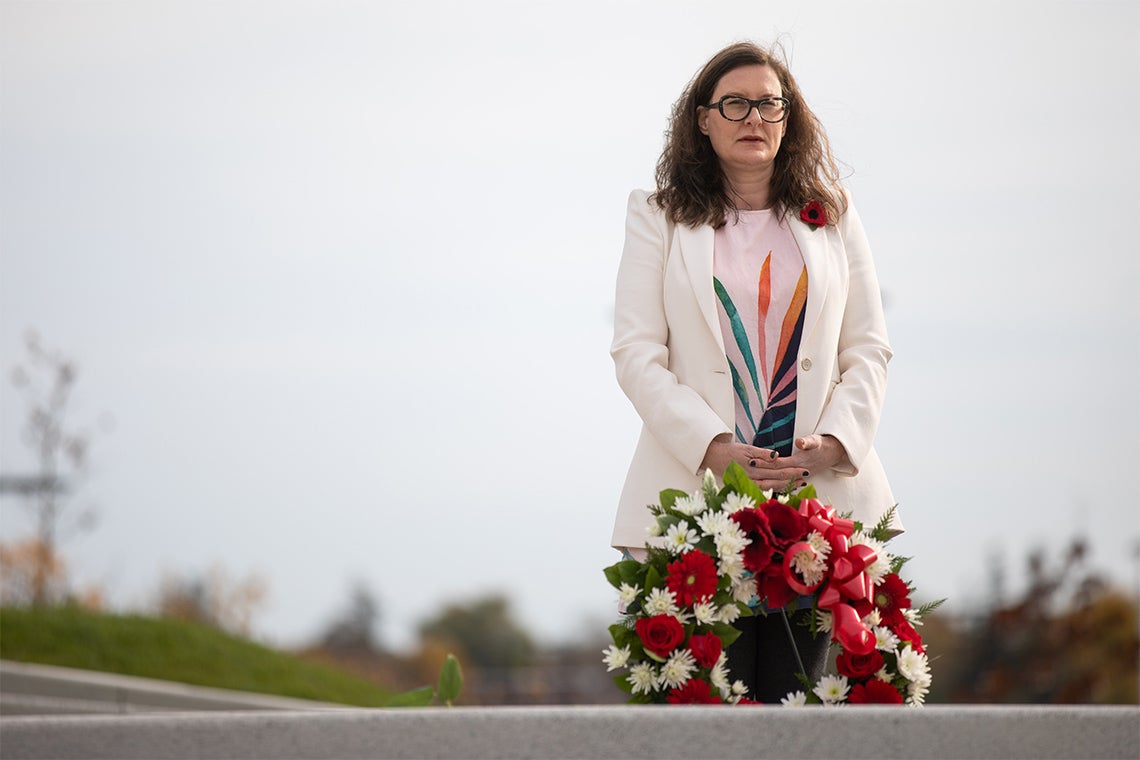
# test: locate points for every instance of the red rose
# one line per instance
(754, 524)
(814, 214)
(692, 578)
(859, 665)
(660, 634)
(692, 692)
(774, 588)
(706, 649)
(874, 692)
(787, 525)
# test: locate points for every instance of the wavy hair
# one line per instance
(690, 184)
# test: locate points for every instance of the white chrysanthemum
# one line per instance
(823, 621)
(821, 545)
(783, 498)
(718, 676)
(885, 675)
(616, 658)
(739, 689)
(913, 665)
(714, 522)
(744, 590)
(678, 668)
(731, 543)
(654, 529)
(810, 566)
(680, 538)
(690, 505)
(705, 612)
(660, 602)
(885, 639)
(878, 569)
(912, 616)
(728, 613)
(873, 618)
(832, 689)
(731, 565)
(916, 694)
(794, 699)
(627, 594)
(735, 502)
(643, 678)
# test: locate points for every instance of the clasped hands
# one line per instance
(813, 454)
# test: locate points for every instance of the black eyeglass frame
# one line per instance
(753, 105)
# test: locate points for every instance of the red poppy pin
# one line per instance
(814, 214)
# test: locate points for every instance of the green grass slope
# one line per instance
(173, 651)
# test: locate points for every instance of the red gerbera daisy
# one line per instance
(892, 596)
(692, 578)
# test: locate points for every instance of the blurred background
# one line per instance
(305, 312)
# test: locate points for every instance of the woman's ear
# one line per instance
(703, 120)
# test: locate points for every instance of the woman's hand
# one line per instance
(764, 466)
(816, 453)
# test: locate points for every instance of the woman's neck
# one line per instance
(751, 192)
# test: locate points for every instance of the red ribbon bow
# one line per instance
(849, 593)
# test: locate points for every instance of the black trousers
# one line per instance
(763, 657)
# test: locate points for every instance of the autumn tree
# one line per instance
(1070, 638)
(47, 380)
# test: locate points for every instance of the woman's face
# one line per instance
(750, 145)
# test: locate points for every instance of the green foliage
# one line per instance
(929, 607)
(446, 691)
(882, 530)
(450, 680)
(174, 651)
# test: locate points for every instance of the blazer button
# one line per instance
(805, 365)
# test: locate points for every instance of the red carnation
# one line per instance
(706, 649)
(692, 578)
(905, 631)
(787, 525)
(874, 692)
(814, 214)
(859, 665)
(692, 692)
(754, 524)
(660, 634)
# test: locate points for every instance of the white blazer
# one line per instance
(668, 351)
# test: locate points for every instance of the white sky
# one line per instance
(342, 275)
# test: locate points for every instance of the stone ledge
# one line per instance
(594, 732)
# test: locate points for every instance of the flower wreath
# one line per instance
(718, 552)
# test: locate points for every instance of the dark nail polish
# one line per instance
(773, 455)
(805, 473)
(751, 462)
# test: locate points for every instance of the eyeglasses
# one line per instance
(736, 108)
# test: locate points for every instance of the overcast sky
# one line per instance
(341, 274)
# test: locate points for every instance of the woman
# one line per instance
(748, 325)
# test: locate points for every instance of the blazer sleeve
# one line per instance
(674, 413)
(852, 414)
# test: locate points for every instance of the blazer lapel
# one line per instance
(815, 250)
(696, 248)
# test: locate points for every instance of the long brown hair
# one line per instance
(690, 184)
